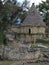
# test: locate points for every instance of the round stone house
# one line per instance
(32, 25)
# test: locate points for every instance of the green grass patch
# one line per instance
(46, 38)
(6, 62)
(36, 44)
(11, 63)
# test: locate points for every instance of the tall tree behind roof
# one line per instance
(44, 10)
(26, 4)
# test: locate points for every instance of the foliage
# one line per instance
(44, 10)
(10, 10)
(25, 4)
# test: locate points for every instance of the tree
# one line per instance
(10, 11)
(3, 21)
(44, 11)
(25, 7)
(25, 4)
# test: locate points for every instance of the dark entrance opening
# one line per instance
(29, 31)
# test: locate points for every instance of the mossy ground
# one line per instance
(18, 63)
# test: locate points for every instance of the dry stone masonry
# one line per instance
(23, 53)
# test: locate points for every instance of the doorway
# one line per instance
(29, 31)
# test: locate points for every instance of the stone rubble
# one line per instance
(22, 53)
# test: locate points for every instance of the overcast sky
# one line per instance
(32, 1)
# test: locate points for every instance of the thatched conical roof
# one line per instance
(33, 18)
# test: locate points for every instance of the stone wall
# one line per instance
(22, 32)
(21, 53)
(27, 37)
(23, 29)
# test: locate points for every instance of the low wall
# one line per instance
(22, 53)
(28, 38)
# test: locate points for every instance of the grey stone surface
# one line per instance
(21, 53)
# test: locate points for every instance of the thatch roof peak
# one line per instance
(33, 18)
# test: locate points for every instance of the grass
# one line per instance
(46, 38)
(47, 45)
(11, 63)
(6, 62)
(36, 44)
